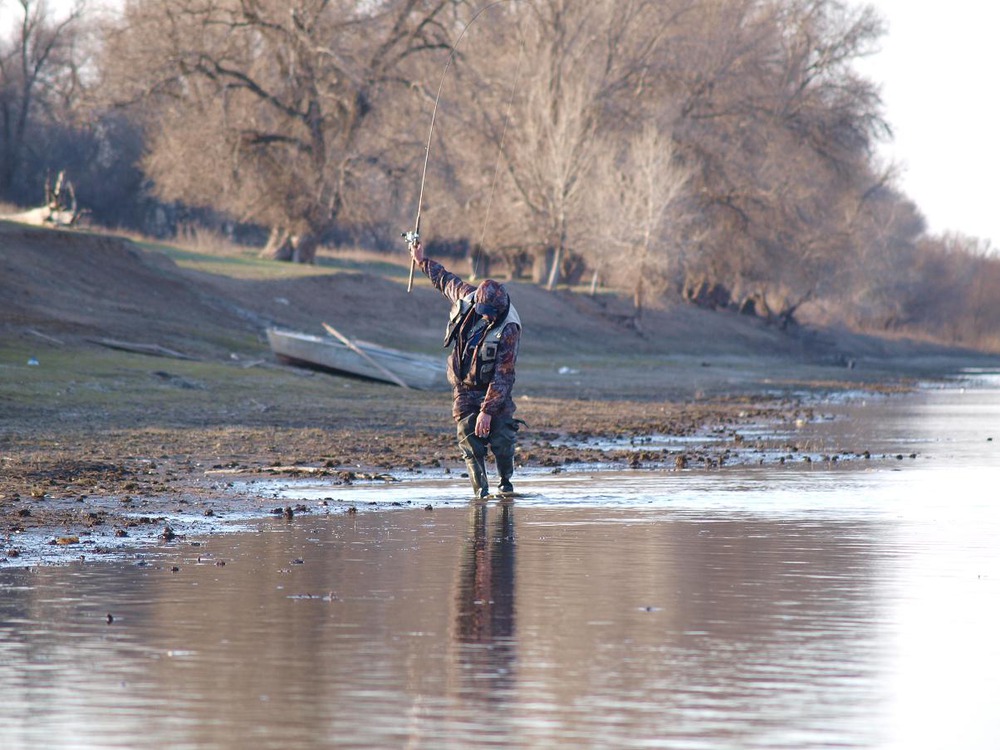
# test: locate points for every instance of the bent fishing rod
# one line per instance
(413, 236)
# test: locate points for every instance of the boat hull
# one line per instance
(418, 371)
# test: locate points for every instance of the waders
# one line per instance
(501, 441)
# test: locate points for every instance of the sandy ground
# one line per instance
(99, 445)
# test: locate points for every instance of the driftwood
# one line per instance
(154, 350)
(45, 337)
(60, 209)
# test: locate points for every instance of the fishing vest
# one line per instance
(485, 358)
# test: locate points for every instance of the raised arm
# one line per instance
(449, 284)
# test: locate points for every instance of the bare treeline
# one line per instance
(717, 151)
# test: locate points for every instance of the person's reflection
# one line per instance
(484, 603)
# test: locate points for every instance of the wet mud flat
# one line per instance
(108, 493)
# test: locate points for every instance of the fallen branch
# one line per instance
(154, 350)
(45, 337)
(60, 209)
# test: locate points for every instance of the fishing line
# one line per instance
(413, 236)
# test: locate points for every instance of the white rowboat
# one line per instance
(359, 359)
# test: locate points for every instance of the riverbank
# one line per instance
(100, 446)
(86, 483)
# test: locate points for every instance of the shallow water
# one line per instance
(796, 606)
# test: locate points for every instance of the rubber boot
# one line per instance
(505, 468)
(477, 474)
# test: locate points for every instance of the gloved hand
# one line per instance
(483, 424)
(417, 251)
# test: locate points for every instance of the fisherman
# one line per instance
(483, 332)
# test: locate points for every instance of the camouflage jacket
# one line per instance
(473, 391)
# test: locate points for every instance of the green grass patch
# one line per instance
(245, 263)
(99, 387)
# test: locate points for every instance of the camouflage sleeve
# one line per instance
(498, 394)
(450, 285)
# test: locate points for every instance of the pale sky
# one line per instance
(937, 68)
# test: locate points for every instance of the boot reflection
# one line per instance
(484, 612)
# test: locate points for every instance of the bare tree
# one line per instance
(771, 123)
(781, 131)
(720, 147)
(39, 71)
(268, 110)
(581, 67)
(638, 231)
(952, 292)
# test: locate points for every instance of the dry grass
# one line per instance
(210, 242)
(9, 208)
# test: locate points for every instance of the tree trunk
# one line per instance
(305, 247)
(540, 265)
(278, 245)
(291, 248)
(554, 270)
(479, 263)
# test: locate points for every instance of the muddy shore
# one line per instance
(179, 451)
(99, 447)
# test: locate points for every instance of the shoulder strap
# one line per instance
(511, 317)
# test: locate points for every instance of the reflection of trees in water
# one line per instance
(484, 602)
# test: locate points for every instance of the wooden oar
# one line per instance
(363, 354)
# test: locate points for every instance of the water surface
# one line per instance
(783, 606)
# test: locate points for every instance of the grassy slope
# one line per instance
(75, 287)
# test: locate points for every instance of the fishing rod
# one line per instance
(414, 236)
